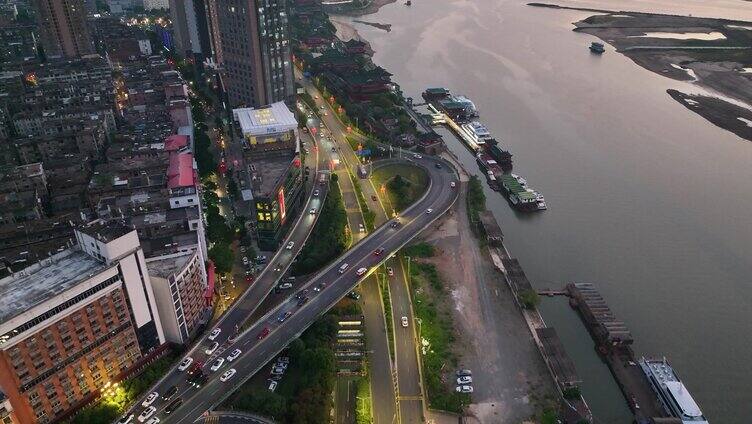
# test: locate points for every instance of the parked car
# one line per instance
(438, 165)
(175, 404)
(417, 156)
(245, 260)
(150, 399)
(283, 359)
(464, 380)
(148, 412)
(353, 295)
(290, 245)
(390, 271)
(453, 184)
(217, 364)
(285, 286)
(153, 420)
(464, 389)
(227, 375)
(128, 419)
(233, 355)
(361, 228)
(272, 385)
(462, 373)
(312, 211)
(215, 333)
(209, 350)
(185, 363)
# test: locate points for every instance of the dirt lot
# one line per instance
(509, 376)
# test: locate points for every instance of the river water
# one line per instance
(646, 199)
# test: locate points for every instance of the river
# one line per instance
(646, 199)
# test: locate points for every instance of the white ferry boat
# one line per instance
(477, 132)
(671, 392)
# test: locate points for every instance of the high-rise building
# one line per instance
(72, 323)
(63, 29)
(251, 40)
(190, 28)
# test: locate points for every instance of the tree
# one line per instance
(529, 299)
(222, 256)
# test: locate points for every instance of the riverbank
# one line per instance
(372, 7)
(714, 54)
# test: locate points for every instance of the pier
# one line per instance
(613, 340)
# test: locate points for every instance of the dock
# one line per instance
(613, 341)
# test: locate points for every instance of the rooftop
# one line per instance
(164, 268)
(268, 172)
(274, 118)
(42, 281)
(105, 231)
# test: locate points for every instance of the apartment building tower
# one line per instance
(251, 41)
(63, 29)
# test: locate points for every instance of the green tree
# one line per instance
(222, 256)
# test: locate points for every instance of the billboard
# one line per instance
(281, 202)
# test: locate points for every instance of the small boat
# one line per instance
(597, 48)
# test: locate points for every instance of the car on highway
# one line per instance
(312, 211)
(217, 364)
(437, 165)
(316, 97)
(285, 286)
(390, 271)
(249, 279)
(464, 389)
(315, 193)
(378, 251)
(290, 245)
(462, 373)
(199, 379)
(175, 404)
(169, 392)
(227, 375)
(245, 260)
(272, 385)
(453, 184)
(212, 347)
(417, 156)
(150, 399)
(185, 363)
(395, 224)
(343, 268)
(278, 268)
(148, 412)
(429, 211)
(465, 379)
(234, 355)
(128, 419)
(215, 333)
(374, 198)
(283, 316)
(319, 287)
(361, 271)
(301, 294)
(403, 320)
(263, 333)
(303, 301)
(153, 420)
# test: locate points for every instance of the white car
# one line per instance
(361, 228)
(150, 399)
(417, 156)
(148, 412)
(234, 355)
(245, 260)
(215, 333)
(312, 211)
(464, 389)
(209, 350)
(272, 385)
(403, 320)
(217, 364)
(453, 184)
(465, 379)
(185, 363)
(429, 211)
(361, 271)
(227, 375)
(153, 420)
(126, 420)
(290, 245)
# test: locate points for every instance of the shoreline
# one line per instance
(372, 8)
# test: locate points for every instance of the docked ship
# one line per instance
(671, 392)
(597, 48)
(501, 156)
(491, 169)
(477, 131)
(520, 196)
